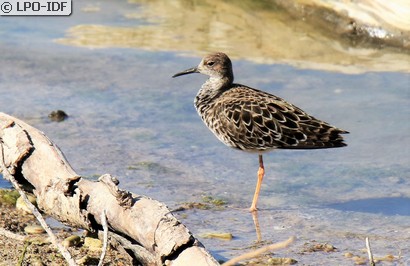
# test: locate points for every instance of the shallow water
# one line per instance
(128, 117)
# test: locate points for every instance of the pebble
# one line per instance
(71, 241)
(34, 229)
(93, 243)
(84, 260)
(21, 205)
(225, 236)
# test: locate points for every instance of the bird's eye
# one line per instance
(210, 63)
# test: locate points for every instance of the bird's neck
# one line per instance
(212, 89)
(207, 96)
(218, 83)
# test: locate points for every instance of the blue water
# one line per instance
(128, 117)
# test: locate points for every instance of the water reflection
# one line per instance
(252, 30)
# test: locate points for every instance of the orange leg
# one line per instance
(261, 173)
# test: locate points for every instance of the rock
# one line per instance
(57, 116)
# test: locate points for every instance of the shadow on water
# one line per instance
(384, 206)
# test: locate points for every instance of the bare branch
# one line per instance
(369, 252)
(259, 251)
(12, 235)
(105, 239)
(76, 201)
(38, 215)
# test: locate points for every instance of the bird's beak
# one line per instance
(185, 72)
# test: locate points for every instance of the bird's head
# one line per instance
(216, 65)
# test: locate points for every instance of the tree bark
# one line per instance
(39, 165)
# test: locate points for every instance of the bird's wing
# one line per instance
(257, 120)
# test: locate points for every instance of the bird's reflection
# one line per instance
(255, 218)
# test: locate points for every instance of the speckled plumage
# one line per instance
(252, 120)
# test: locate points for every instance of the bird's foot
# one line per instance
(253, 209)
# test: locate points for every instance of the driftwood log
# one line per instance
(40, 167)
